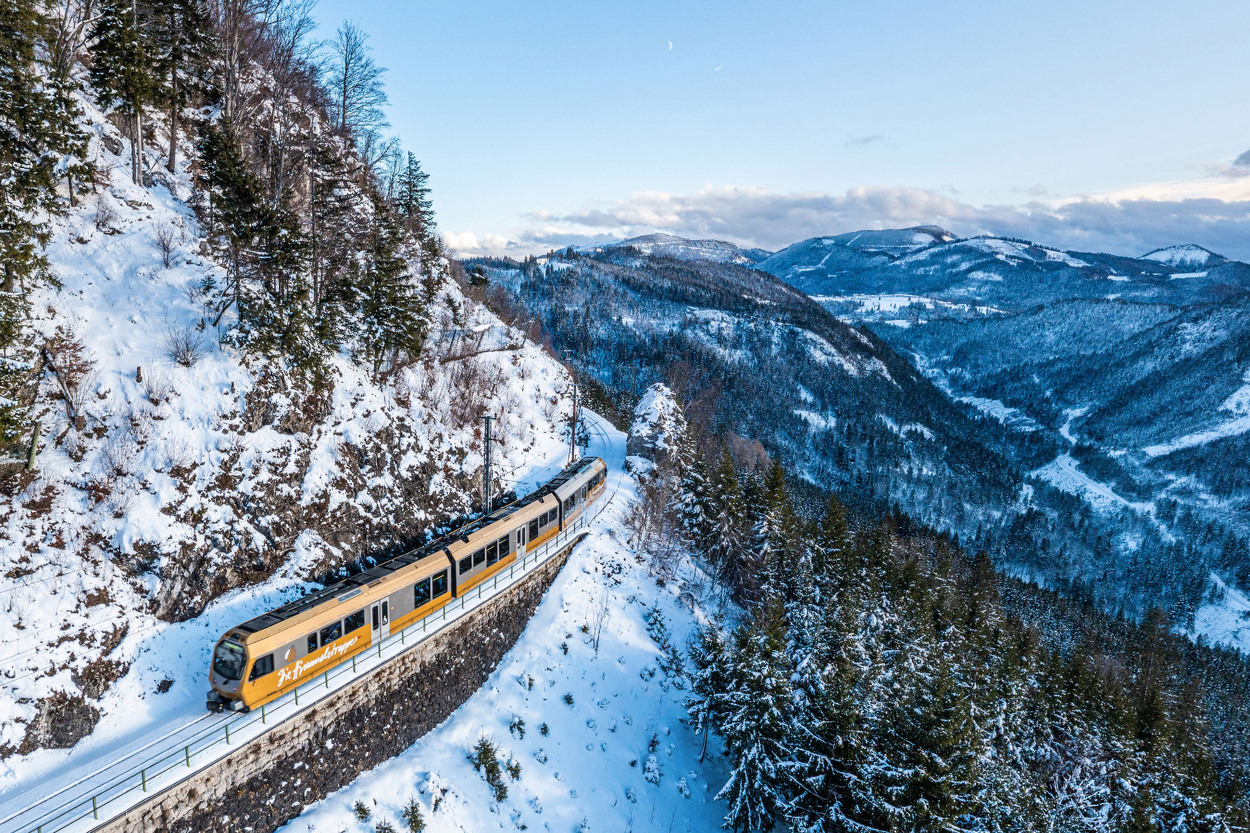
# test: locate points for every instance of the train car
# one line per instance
(267, 656)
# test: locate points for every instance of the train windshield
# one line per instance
(229, 660)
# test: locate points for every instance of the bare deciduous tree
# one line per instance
(355, 82)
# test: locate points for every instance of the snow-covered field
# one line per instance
(603, 745)
(1226, 620)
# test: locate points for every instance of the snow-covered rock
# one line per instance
(658, 425)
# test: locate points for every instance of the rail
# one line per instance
(110, 796)
(152, 776)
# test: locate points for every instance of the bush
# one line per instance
(485, 759)
(184, 344)
(517, 727)
(361, 810)
(384, 826)
(543, 729)
(568, 699)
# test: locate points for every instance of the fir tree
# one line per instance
(122, 71)
(39, 140)
(412, 200)
(754, 726)
(182, 47)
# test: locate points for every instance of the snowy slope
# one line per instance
(182, 482)
(1184, 255)
(679, 248)
(616, 758)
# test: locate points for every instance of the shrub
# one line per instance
(485, 759)
(543, 729)
(184, 344)
(517, 727)
(568, 699)
(361, 810)
(384, 826)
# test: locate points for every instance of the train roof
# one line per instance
(390, 565)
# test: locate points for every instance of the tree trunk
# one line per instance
(136, 148)
(173, 120)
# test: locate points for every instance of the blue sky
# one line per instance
(1110, 125)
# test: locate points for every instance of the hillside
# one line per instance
(201, 454)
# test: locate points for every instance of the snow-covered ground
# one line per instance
(614, 756)
(169, 465)
(1064, 473)
(1226, 620)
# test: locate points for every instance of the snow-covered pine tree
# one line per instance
(725, 543)
(709, 660)
(182, 47)
(40, 141)
(123, 73)
(754, 725)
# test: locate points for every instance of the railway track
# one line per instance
(87, 801)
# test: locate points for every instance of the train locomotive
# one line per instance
(265, 657)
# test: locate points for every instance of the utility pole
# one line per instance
(486, 464)
(573, 427)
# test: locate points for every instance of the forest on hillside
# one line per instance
(323, 223)
(879, 676)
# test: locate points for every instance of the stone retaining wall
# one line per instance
(269, 782)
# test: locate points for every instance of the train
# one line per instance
(267, 656)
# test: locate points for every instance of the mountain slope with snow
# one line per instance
(169, 478)
(680, 248)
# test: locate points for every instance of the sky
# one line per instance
(1113, 126)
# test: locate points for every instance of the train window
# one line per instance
(356, 620)
(520, 536)
(479, 557)
(440, 583)
(492, 554)
(534, 529)
(421, 592)
(261, 667)
(331, 632)
(229, 659)
(386, 616)
(466, 564)
(505, 544)
(376, 622)
(312, 642)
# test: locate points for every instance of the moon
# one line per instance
(670, 46)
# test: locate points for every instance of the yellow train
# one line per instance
(269, 655)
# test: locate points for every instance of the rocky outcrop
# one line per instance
(658, 426)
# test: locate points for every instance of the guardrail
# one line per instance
(153, 776)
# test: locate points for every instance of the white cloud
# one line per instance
(1213, 212)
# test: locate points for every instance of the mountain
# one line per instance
(996, 272)
(1186, 255)
(679, 248)
(1135, 369)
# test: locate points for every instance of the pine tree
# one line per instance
(725, 543)
(122, 71)
(412, 200)
(393, 324)
(754, 726)
(709, 658)
(39, 140)
(182, 47)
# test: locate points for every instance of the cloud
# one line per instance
(1242, 161)
(863, 141)
(1130, 222)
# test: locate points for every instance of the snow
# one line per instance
(1064, 473)
(893, 302)
(1181, 275)
(1225, 620)
(658, 421)
(910, 427)
(617, 758)
(1002, 412)
(1228, 429)
(144, 469)
(1184, 255)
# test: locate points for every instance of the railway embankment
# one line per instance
(271, 780)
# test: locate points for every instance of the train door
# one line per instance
(380, 620)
